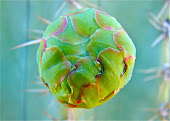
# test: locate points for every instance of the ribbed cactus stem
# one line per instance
(166, 66)
(167, 50)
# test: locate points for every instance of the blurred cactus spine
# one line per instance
(162, 23)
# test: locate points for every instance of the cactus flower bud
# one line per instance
(85, 58)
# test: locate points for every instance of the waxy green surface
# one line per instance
(85, 58)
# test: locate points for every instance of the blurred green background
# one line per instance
(19, 69)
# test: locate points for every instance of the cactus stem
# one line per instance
(167, 49)
(164, 72)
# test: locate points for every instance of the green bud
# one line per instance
(85, 58)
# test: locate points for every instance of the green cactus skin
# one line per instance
(85, 58)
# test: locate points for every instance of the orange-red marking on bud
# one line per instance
(79, 101)
(44, 82)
